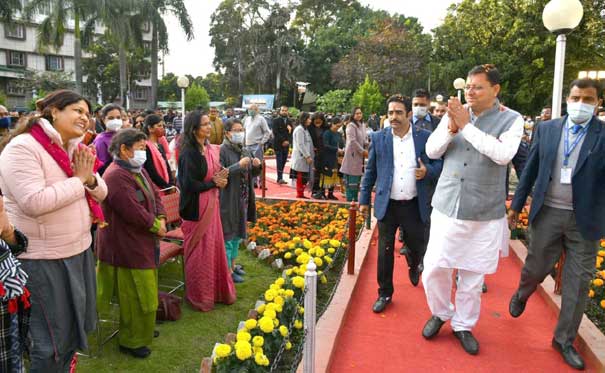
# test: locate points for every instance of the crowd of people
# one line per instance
(81, 213)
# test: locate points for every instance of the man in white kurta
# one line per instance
(469, 228)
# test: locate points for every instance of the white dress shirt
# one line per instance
(404, 167)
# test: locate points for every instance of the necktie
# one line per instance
(575, 129)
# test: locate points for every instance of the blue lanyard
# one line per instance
(567, 150)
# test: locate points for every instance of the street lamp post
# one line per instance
(560, 17)
(302, 89)
(183, 83)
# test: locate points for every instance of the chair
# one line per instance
(171, 246)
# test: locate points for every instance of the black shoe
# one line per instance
(432, 327)
(484, 288)
(282, 181)
(140, 352)
(381, 304)
(239, 271)
(156, 333)
(468, 342)
(404, 250)
(516, 305)
(570, 355)
(318, 195)
(414, 275)
(401, 235)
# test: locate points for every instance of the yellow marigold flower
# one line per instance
(301, 310)
(324, 242)
(313, 250)
(307, 244)
(298, 282)
(303, 258)
(279, 308)
(270, 313)
(275, 322)
(274, 287)
(296, 239)
(289, 293)
(243, 336)
(258, 341)
(335, 243)
(250, 324)
(323, 279)
(280, 281)
(288, 255)
(257, 350)
(291, 245)
(243, 350)
(266, 324)
(603, 303)
(223, 350)
(601, 253)
(591, 293)
(331, 250)
(298, 324)
(270, 306)
(261, 308)
(328, 259)
(318, 262)
(298, 251)
(597, 282)
(279, 300)
(288, 345)
(269, 295)
(289, 272)
(320, 252)
(261, 359)
(283, 331)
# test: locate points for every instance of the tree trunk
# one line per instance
(153, 97)
(78, 53)
(123, 67)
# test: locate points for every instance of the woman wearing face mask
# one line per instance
(128, 248)
(237, 201)
(157, 155)
(111, 115)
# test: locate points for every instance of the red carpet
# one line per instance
(392, 341)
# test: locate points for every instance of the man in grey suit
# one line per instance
(566, 169)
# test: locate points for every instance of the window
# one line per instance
(147, 46)
(146, 27)
(54, 63)
(140, 94)
(16, 59)
(14, 31)
(14, 89)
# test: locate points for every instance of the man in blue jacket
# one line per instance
(566, 169)
(401, 170)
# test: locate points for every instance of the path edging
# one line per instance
(329, 325)
(589, 336)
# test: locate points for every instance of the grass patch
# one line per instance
(182, 344)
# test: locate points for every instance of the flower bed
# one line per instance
(596, 304)
(293, 234)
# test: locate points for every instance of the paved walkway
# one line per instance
(392, 341)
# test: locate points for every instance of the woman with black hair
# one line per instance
(157, 165)
(328, 167)
(355, 152)
(302, 154)
(200, 177)
(316, 130)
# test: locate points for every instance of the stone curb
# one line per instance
(590, 341)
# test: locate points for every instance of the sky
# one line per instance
(195, 57)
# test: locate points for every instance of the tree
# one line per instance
(154, 12)
(511, 35)
(368, 97)
(8, 9)
(395, 53)
(196, 96)
(167, 87)
(214, 84)
(53, 28)
(335, 101)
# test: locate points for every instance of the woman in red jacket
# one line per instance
(128, 248)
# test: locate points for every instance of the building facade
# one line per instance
(20, 58)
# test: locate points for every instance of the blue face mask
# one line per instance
(237, 137)
(5, 122)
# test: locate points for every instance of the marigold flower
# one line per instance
(603, 304)
(591, 293)
(283, 330)
(298, 324)
(258, 341)
(597, 282)
(288, 345)
(266, 324)
(270, 313)
(250, 324)
(298, 282)
(288, 255)
(243, 336)
(318, 262)
(222, 350)
(243, 350)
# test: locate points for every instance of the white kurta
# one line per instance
(468, 244)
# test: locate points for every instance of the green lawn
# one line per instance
(182, 344)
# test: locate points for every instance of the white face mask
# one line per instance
(237, 137)
(140, 156)
(114, 124)
(420, 111)
(580, 112)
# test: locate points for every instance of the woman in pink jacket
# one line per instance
(52, 194)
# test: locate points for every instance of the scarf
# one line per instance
(63, 160)
(126, 165)
(158, 161)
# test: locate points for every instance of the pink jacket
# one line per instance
(42, 202)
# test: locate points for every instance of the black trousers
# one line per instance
(406, 215)
(281, 157)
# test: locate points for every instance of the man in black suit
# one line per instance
(421, 102)
(566, 169)
(281, 141)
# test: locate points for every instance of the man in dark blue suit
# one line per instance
(566, 169)
(401, 170)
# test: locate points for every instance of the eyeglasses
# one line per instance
(476, 88)
(393, 112)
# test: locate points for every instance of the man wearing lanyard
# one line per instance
(566, 170)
